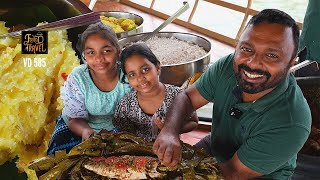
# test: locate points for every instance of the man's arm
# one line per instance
(167, 145)
(191, 124)
(188, 126)
(235, 169)
(264, 153)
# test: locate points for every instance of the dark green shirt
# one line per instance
(270, 131)
(310, 36)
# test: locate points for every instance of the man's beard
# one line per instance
(252, 88)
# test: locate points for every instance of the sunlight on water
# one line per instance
(295, 8)
(223, 20)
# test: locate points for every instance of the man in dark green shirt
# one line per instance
(261, 119)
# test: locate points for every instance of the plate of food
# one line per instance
(123, 156)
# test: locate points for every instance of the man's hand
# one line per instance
(168, 148)
(86, 133)
(167, 145)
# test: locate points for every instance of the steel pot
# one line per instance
(177, 74)
(117, 14)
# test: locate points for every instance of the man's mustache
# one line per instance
(253, 71)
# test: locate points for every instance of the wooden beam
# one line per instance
(193, 27)
(152, 4)
(245, 18)
(193, 10)
(210, 33)
(233, 7)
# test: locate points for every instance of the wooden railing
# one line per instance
(247, 11)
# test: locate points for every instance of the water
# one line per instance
(225, 21)
(295, 8)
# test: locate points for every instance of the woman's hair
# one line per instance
(101, 29)
(137, 49)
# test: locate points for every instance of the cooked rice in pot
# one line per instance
(173, 51)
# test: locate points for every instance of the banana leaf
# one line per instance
(29, 15)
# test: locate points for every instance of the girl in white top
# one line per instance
(91, 91)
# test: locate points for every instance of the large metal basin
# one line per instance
(117, 14)
(177, 74)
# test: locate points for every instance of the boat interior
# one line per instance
(199, 20)
(222, 44)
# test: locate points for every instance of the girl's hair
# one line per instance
(137, 49)
(101, 29)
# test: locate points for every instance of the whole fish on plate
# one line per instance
(123, 156)
(124, 167)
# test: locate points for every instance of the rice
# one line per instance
(171, 51)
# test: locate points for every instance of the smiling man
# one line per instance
(261, 119)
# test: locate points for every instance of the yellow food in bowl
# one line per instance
(119, 25)
(29, 96)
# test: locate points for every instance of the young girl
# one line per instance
(150, 99)
(91, 91)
